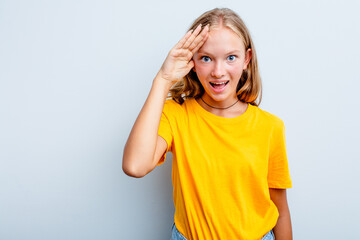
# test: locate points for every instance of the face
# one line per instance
(219, 64)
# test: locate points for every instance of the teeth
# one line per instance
(218, 83)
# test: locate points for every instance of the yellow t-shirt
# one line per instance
(223, 169)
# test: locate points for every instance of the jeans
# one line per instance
(176, 235)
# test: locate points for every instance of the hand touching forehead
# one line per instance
(222, 42)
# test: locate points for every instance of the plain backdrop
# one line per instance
(75, 74)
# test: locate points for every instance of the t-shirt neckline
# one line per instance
(200, 110)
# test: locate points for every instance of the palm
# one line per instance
(178, 62)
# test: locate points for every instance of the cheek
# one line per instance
(201, 69)
(236, 70)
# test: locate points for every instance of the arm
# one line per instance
(282, 230)
(144, 147)
(143, 143)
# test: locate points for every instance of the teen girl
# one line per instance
(230, 170)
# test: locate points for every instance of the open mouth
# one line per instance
(218, 85)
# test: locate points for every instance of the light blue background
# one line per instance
(75, 74)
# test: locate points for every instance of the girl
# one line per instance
(230, 170)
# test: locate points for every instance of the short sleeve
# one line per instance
(165, 131)
(278, 173)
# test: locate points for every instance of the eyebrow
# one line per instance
(206, 53)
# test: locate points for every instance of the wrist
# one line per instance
(163, 81)
(162, 85)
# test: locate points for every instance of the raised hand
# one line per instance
(179, 61)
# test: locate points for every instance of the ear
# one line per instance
(248, 55)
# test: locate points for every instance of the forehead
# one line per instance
(222, 40)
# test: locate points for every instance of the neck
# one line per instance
(222, 106)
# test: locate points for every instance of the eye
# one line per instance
(205, 59)
(231, 58)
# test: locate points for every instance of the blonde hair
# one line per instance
(249, 88)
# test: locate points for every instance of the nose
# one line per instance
(218, 70)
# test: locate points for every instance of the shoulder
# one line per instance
(171, 107)
(171, 104)
(269, 118)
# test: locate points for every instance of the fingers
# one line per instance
(183, 40)
(194, 50)
(192, 37)
(193, 40)
(199, 40)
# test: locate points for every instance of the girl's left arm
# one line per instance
(282, 230)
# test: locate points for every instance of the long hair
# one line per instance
(249, 89)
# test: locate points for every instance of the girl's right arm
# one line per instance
(144, 147)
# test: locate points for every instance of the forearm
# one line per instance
(283, 229)
(140, 146)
